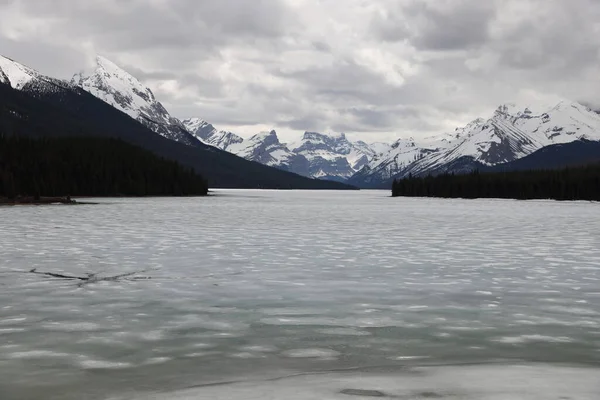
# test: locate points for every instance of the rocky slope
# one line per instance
(266, 148)
(121, 90)
(208, 134)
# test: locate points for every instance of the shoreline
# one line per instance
(30, 200)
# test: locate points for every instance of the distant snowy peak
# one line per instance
(261, 144)
(313, 140)
(121, 90)
(208, 134)
(15, 74)
(266, 148)
(117, 88)
(333, 156)
(513, 132)
(21, 77)
(196, 124)
(399, 156)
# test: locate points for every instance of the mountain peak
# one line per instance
(21, 77)
(196, 124)
(210, 135)
(120, 89)
(307, 135)
(111, 69)
(323, 136)
(266, 136)
(117, 87)
(101, 60)
(15, 74)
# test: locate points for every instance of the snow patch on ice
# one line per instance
(311, 353)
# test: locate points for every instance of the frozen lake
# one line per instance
(301, 295)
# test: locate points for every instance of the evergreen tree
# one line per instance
(89, 166)
(575, 183)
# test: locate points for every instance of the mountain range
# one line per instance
(315, 155)
(32, 104)
(511, 133)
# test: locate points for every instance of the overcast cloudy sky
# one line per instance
(376, 69)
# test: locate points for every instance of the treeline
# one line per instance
(575, 183)
(89, 166)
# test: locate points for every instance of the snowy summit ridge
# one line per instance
(210, 135)
(123, 91)
(21, 77)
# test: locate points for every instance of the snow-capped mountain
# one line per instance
(15, 74)
(332, 156)
(511, 133)
(337, 158)
(21, 77)
(401, 154)
(208, 134)
(118, 88)
(316, 155)
(266, 148)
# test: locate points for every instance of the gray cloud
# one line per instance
(450, 25)
(375, 70)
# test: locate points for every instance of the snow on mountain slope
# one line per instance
(511, 133)
(208, 134)
(118, 88)
(379, 147)
(332, 156)
(266, 148)
(400, 155)
(3, 77)
(21, 77)
(15, 74)
(316, 155)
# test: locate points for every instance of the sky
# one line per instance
(374, 69)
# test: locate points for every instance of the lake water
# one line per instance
(301, 295)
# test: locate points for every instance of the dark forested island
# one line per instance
(89, 166)
(573, 183)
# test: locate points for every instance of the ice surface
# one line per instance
(523, 382)
(258, 284)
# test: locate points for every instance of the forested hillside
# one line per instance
(575, 183)
(88, 166)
